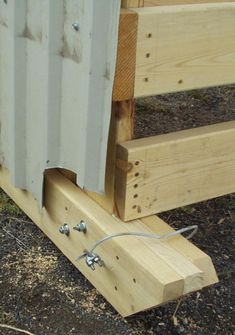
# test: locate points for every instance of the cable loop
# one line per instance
(92, 258)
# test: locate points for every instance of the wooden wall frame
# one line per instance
(181, 46)
(152, 3)
(163, 172)
(195, 50)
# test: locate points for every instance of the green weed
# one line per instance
(8, 206)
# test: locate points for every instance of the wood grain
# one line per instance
(126, 57)
(121, 129)
(152, 3)
(138, 273)
(184, 47)
(160, 173)
(132, 3)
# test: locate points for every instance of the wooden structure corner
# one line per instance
(163, 46)
(168, 269)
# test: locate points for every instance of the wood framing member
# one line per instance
(152, 3)
(163, 172)
(138, 273)
(121, 129)
(126, 56)
(183, 47)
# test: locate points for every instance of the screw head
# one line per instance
(76, 26)
(81, 227)
(64, 229)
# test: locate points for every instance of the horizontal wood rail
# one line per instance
(138, 274)
(151, 3)
(160, 173)
(175, 48)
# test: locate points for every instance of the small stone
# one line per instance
(181, 329)
(185, 321)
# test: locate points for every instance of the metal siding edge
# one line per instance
(51, 123)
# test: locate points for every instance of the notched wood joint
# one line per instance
(124, 166)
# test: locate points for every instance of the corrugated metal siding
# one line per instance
(56, 88)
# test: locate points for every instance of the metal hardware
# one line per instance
(76, 26)
(64, 229)
(91, 259)
(81, 227)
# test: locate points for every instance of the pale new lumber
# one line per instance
(137, 274)
(184, 47)
(151, 3)
(183, 246)
(69, 175)
(123, 88)
(121, 129)
(163, 172)
(170, 256)
(132, 3)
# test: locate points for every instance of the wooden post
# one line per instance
(121, 129)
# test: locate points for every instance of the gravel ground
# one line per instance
(43, 293)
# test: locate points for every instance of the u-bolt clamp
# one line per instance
(92, 259)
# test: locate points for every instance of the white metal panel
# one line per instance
(56, 88)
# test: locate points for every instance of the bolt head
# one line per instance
(81, 227)
(64, 229)
(76, 26)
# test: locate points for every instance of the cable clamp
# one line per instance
(91, 259)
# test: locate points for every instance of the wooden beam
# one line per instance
(121, 129)
(190, 47)
(183, 47)
(160, 173)
(138, 273)
(126, 56)
(152, 3)
(132, 3)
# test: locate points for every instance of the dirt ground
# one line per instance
(42, 292)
